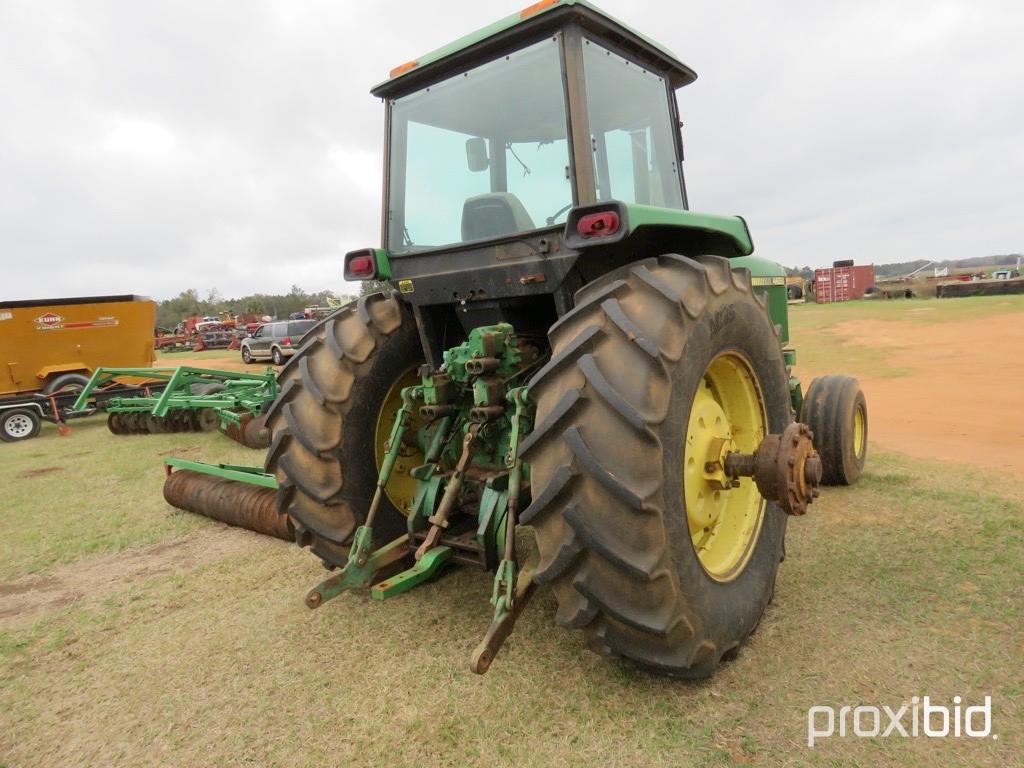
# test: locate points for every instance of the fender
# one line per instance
(46, 372)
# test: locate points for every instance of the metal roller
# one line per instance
(229, 501)
(251, 432)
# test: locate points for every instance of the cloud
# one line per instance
(150, 147)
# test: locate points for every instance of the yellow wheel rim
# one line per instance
(727, 415)
(859, 432)
(401, 487)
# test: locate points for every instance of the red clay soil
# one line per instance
(963, 401)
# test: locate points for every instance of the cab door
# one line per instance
(260, 343)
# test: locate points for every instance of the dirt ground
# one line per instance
(228, 361)
(962, 397)
(27, 598)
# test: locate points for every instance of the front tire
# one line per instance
(324, 423)
(615, 538)
(246, 356)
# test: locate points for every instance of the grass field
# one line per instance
(133, 634)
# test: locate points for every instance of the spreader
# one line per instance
(572, 380)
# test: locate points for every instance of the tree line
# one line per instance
(277, 305)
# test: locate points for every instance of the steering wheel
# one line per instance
(559, 212)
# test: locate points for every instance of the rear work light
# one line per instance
(598, 224)
(367, 264)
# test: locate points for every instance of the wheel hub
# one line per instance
(785, 468)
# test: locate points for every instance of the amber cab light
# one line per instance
(536, 8)
(598, 224)
(401, 69)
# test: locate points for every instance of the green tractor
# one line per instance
(574, 380)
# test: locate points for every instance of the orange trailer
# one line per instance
(49, 344)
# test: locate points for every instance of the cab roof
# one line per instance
(519, 27)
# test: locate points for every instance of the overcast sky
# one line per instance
(149, 147)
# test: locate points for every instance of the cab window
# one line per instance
(631, 127)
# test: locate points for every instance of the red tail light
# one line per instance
(598, 224)
(362, 266)
(367, 264)
(287, 341)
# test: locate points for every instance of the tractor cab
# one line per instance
(513, 152)
(502, 133)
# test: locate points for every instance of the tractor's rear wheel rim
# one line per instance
(727, 414)
(401, 487)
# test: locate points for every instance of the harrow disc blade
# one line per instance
(207, 420)
(114, 423)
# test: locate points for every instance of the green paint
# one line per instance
(361, 568)
(423, 571)
(796, 396)
(491, 512)
(769, 278)
(728, 233)
(383, 264)
(243, 474)
(429, 491)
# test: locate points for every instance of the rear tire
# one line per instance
(323, 423)
(67, 383)
(607, 454)
(837, 413)
(19, 424)
(276, 357)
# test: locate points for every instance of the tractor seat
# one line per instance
(493, 215)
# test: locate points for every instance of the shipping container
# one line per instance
(42, 340)
(843, 283)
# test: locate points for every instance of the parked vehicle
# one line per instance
(278, 341)
(50, 347)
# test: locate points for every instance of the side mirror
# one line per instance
(476, 154)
